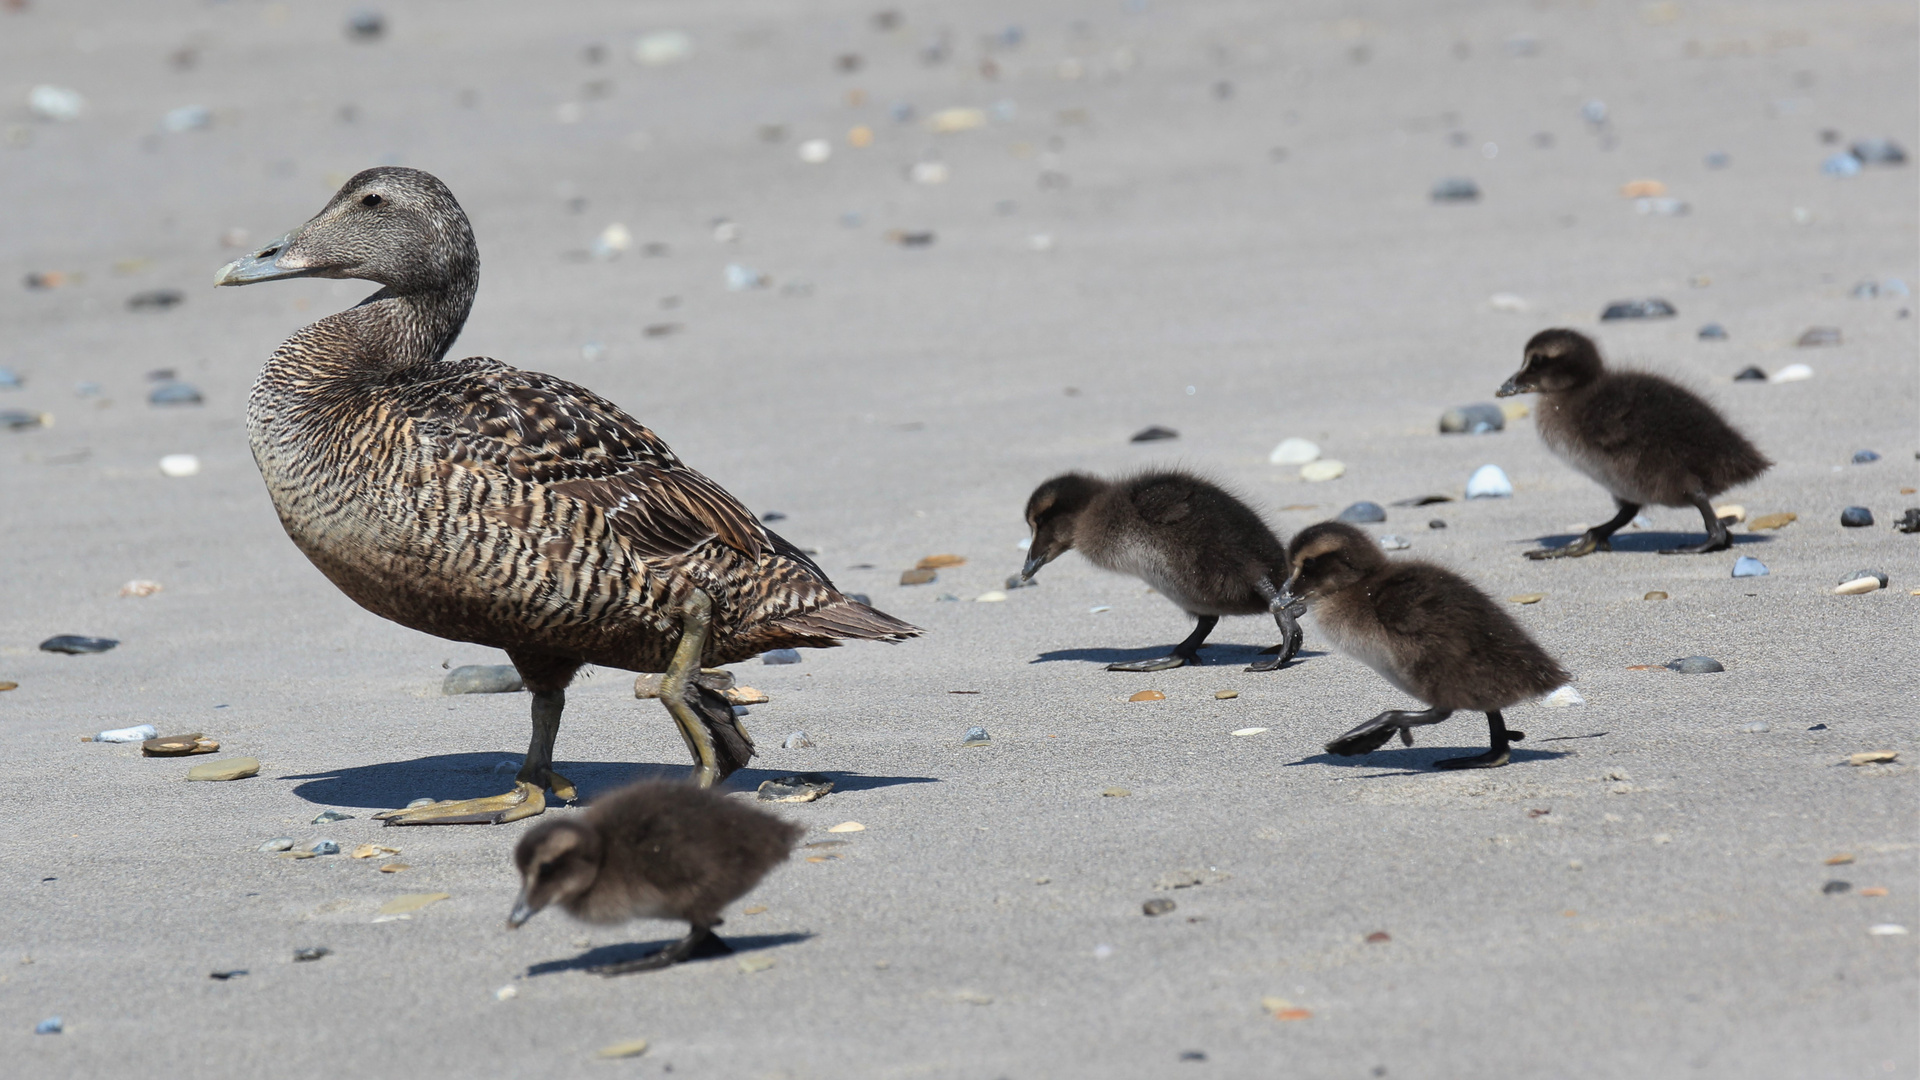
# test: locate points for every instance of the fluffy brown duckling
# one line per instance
(1423, 627)
(1644, 438)
(1197, 545)
(653, 850)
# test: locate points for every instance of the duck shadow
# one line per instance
(634, 950)
(389, 785)
(1643, 542)
(1419, 761)
(1210, 655)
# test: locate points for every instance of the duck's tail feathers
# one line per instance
(848, 618)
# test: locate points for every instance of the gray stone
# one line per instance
(325, 847)
(1713, 331)
(1865, 457)
(1156, 433)
(1436, 523)
(1750, 374)
(1159, 905)
(1877, 575)
(1363, 513)
(10, 381)
(797, 741)
(311, 952)
(1394, 543)
(1836, 887)
(329, 816)
(1651, 307)
(1910, 521)
(1455, 189)
(155, 299)
(1748, 566)
(975, 736)
(174, 393)
(1694, 665)
(1478, 419)
(482, 679)
(778, 657)
(1853, 517)
(1816, 336)
(20, 419)
(1879, 152)
(278, 843)
(804, 787)
(75, 644)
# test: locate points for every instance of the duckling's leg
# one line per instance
(1718, 538)
(1492, 759)
(547, 677)
(1187, 652)
(700, 943)
(1285, 618)
(714, 737)
(1376, 732)
(1595, 539)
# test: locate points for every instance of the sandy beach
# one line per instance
(882, 269)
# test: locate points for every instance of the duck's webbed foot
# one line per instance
(1378, 731)
(1275, 656)
(1183, 654)
(1588, 543)
(700, 944)
(713, 735)
(1493, 758)
(524, 801)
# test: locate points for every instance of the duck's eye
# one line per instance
(370, 200)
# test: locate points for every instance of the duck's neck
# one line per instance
(416, 327)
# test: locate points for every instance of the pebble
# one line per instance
(745, 695)
(138, 733)
(8, 684)
(278, 843)
(187, 118)
(975, 736)
(52, 1025)
(1792, 373)
(1156, 433)
(1713, 331)
(992, 597)
(1455, 189)
(223, 976)
(1655, 595)
(1732, 513)
(329, 816)
(178, 745)
(1098, 608)
(1563, 698)
(1879, 152)
(1758, 727)
(155, 300)
(1396, 543)
(1816, 336)
(940, 562)
(1748, 566)
(1527, 597)
(1865, 457)
(325, 847)
(1856, 517)
(1225, 695)
(662, 47)
(1873, 757)
(1472, 420)
(718, 680)
(1015, 581)
(366, 25)
(312, 952)
(1841, 164)
(1115, 793)
(946, 598)
(1750, 374)
(74, 644)
(1860, 585)
(741, 278)
(815, 151)
(9, 380)
(1436, 523)
(1148, 695)
(424, 800)
(779, 657)
(482, 679)
(1694, 665)
(225, 769)
(633, 1047)
(1159, 905)
(948, 121)
(140, 588)
(848, 826)
(1363, 513)
(1772, 521)
(1651, 307)
(797, 741)
(179, 465)
(1910, 521)
(1316, 471)
(56, 102)
(1294, 451)
(373, 851)
(506, 993)
(1489, 482)
(918, 576)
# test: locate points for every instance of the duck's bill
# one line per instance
(1511, 387)
(522, 911)
(263, 265)
(1032, 567)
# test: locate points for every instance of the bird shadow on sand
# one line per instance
(1419, 760)
(1641, 543)
(634, 950)
(1210, 655)
(389, 785)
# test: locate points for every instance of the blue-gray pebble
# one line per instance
(1651, 307)
(1856, 517)
(1865, 457)
(975, 736)
(1363, 513)
(1877, 575)
(482, 679)
(74, 644)
(1713, 331)
(174, 393)
(1748, 566)
(1695, 665)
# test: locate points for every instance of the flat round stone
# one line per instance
(238, 768)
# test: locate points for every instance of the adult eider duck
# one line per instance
(1423, 627)
(1644, 438)
(1197, 545)
(478, 502)
(654, 850)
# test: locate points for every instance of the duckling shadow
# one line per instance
(1643, 542)
(388, 785)
(634, 950)
(1419, 761)
(1210, 656)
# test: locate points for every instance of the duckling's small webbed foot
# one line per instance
(1183, 654)
(1378, 731)
(1598, 538)
(701, 944)
(1493, 758)
(1290, 637)
(1718, 538)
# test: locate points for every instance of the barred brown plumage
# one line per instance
(474, 501)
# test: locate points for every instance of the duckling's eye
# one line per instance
(370, 200)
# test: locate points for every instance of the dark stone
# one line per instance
(312, 952)
(482, 679)
(1713, 331)
(1877, 575)
(1363, 513)
(1193, 1055)
(1750, 374)
(860, 598)
(1694, 665)
(1836, 887)
(1156, 433)
(74, 644)
(1910, 521)
(1436, 523)
(1856, 517)
(1650, 308)
(174, 393)
(1455, 189)
(1879, 152)
(1423, 500)
(1159, 905)
(20, 420)
(223, 976)
(366, 25)
(1865, 457)
(772, 516)
(155, 299)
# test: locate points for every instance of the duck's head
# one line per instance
(558, 861)
(1327, 558)
(1556, 360)
(1052, 511)
(399, 227)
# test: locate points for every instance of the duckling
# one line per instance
(1644, 438)
(652, 850)
(1423, 627)
(1197, 545)
(478, 502)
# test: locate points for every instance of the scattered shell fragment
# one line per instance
(1489, 482)
(992, 597)
(178, 745)
(1245, 731)
(8, 684)
(138, 733)
(918, 577)
(848, 826)
(1527, 597)
(1159, 905)
(1317, 471)
(630, 1048)
(719, 680)
(1791, 373)
(369, 851)
(757, 909)
(1887, 930)
(799, 788)
(225, 769)
(1379, 937)
(140, 587)
(178, 465)
(745, 695)
(947, 121)
(755, 963)
(1564, 697)
(1872, 757)
(1736, 512)
(1655, 595)
(1841, 859)
(975, 736)
(409, 903)
(797, 741)
(278, 843)
(1858, 586)
(1148, 695)
(1294, 451)
(506, 993)
(394, 867)
(1225, 695)
(1115, 793)
(1875, 890)
(1772, 521)
(940, 562)
(1282, 1009)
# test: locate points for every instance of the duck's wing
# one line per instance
(574, 444)
(1163, 500)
